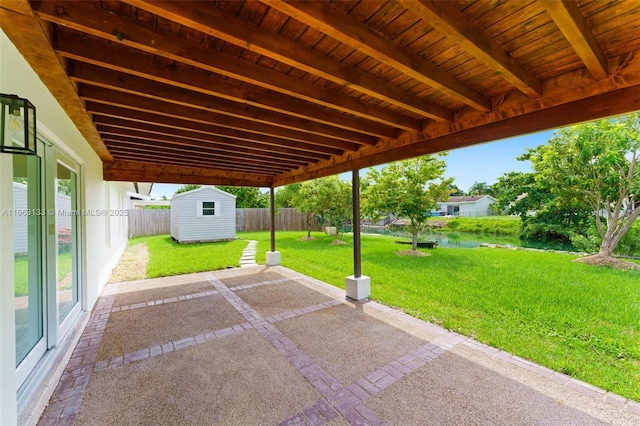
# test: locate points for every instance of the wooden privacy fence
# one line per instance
(146, 222)
(258, 220)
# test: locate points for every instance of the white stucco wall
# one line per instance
(102, 244)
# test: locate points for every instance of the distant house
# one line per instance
(203, 214)
(467, 206)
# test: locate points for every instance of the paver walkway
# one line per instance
(266, 345)
(248, 258)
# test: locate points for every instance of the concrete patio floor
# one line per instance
(269, 346)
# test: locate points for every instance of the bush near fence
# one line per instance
(145, 222)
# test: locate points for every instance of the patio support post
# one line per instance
(273, 256)
(358, 285)
(357, 253)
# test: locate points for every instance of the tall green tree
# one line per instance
(555, 218)
(455, 190)
(305, 199)
(518, 193)
(480, 188)
(410, 189)
(335, 201)
(327, 199)
(596, 164)
(247, 197)
(186, 187)
(284, 195)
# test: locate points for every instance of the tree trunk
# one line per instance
(607, 247)
(414, 241)
(610, 240)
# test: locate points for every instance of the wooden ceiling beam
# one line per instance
(567, 16)
(194, 144)
(215, 22)
(154, 146)
(99, 53)
(128, 155)
(89, 18)
(127, 101)
(106, 114)
(111, 124)
(338, 25)
(204, 159)
(136, 171)
(569, 100)
(444, 17)
(121, 82)
(30, 37)
(122, 154)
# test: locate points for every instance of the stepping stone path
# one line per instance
(248, 258)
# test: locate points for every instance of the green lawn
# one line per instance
(21, 276)
(167, 258)
(21, 271)
(578, 319)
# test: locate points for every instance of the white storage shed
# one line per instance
(203, 214)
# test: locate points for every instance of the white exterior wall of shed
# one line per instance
(175, 218)
(189, 225)
(63, 202)
(97, 258)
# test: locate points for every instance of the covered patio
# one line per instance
(267, 345)
(268, 93)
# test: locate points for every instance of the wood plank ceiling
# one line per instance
(265, 93)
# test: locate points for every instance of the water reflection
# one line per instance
(468, 239)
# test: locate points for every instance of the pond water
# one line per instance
(468, 239)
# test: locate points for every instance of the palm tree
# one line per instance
(480, 188)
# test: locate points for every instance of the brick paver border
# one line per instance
(65, 402)
(337, 399)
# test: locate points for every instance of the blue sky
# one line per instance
(486, 162)
(483, 163)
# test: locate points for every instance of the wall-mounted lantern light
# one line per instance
(17, 125)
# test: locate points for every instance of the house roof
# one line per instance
(265, 93)
(468, 198)
(202, 189)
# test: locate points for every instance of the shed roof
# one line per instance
(265, 93)
(202, 189)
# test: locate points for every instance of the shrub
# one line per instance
(629, 245)
(64, 239)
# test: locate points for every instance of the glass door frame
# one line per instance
(27, 365)
(56, 329)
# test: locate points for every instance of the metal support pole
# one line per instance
(357, 252)
(272, 207)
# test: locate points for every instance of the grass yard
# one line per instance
(21, 271)
(166, 257)
(575, 318)
(21, 276)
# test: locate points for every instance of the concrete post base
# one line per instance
(273, 258)
(358, 288)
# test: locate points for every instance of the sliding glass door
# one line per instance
(29, 288)
(67, 241)
(46, 247)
